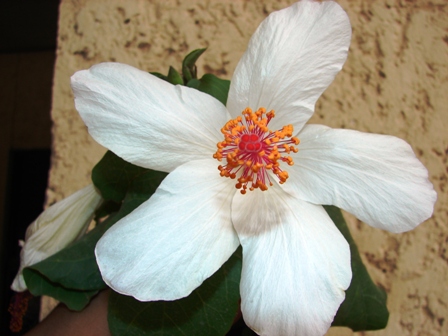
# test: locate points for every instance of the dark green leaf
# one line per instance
(189, 64)
(141, 189)
(214, 86)
(40, 285)
(364, 307)
(194, 83)
(106, 208)
(112, 176)
(71, 275)
(239, 328)
(209, 310)
(159, 75)
(174, 77)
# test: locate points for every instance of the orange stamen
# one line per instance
(251, 149)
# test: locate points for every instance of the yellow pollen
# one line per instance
(251, 150)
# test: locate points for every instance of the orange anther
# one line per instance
(261, 150)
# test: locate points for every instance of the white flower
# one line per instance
(55, 228)
(296, 264)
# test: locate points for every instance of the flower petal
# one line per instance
(375, 177)
(174, 241)
(146, 120)
(291, 59)
(296, 264)
(55, 228)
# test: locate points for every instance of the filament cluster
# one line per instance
(251, 150)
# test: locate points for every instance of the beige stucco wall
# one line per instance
(394, 82)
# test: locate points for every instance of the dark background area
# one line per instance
(28, 30)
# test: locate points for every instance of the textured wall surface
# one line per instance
(395, 82)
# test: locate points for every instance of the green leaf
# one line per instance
(214, 86)
(364, 307)
(40, 285)
(189, 70)
(208, 310)
(72, 275)
(194, 83)
(112, 176)
(141, 189)
(106, 208)
(174, 77)
(159, 75)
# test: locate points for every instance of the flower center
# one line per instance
(251, 150)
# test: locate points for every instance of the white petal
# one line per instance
(375, 177)
(291, 59)
(146, 120)
(174, 241)
(296, 264)
(55, 228)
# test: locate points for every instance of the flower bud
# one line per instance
(55, 228)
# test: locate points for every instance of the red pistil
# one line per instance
(251, 149)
